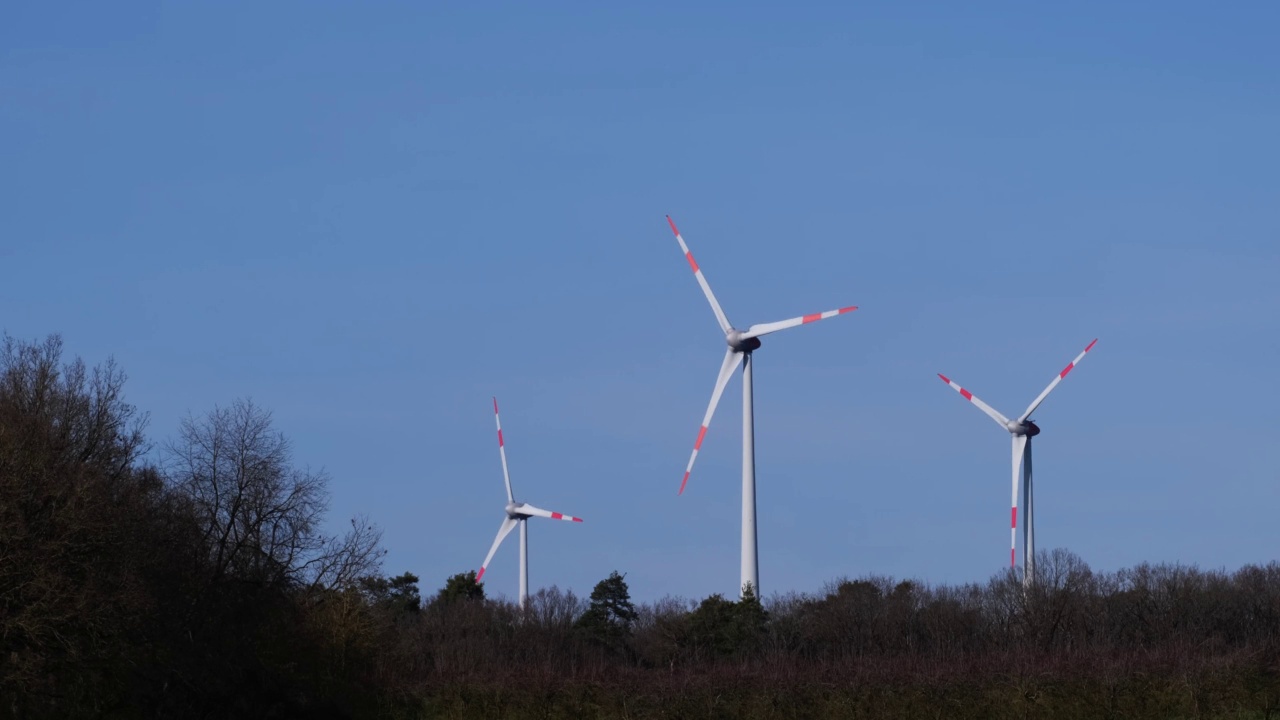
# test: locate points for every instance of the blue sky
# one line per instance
(372, 217)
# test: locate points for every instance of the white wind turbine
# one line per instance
(1022, 430)
(517, 514)
(741, 345)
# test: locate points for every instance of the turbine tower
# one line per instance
(1022, 430)
(741, 345)
(517, 514)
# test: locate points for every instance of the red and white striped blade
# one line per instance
(508, 524)
(990, 411)
(1019, 447)
(527, 509)
(1071, 366)
(502, 451)
(766, 328)
(702, 281)
(731, 361)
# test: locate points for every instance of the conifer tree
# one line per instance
(610, 616)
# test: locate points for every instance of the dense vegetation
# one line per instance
(195, 581)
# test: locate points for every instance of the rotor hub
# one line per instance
(1026, 427)
(741, 344)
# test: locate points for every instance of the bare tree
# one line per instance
(73, 414)
(347, 558)
(260, 515)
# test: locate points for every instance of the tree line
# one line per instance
(192, 578)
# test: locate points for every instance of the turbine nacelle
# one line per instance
(513, 511)
(1026, 427)
(738, 343)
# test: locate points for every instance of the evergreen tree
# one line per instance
(751, 619)
(399, 593)
(462, 586)
(722, 627)
(611, 615)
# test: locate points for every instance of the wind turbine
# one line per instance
(1022, 430)
(517, 514)
(741, 345)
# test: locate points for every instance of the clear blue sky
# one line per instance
(372, 217)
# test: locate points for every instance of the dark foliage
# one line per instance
(609, 619)
(193, 590)
(205, 588)
(461, 587)
(397, 596)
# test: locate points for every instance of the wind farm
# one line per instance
(267, 268)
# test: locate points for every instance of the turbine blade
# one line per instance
(1036, 403)
(508, 524)
(697, 273)
(528, 509)
(766, 328)
(1020, 443)
(990, 411)
(502, 450)
(731, 361)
